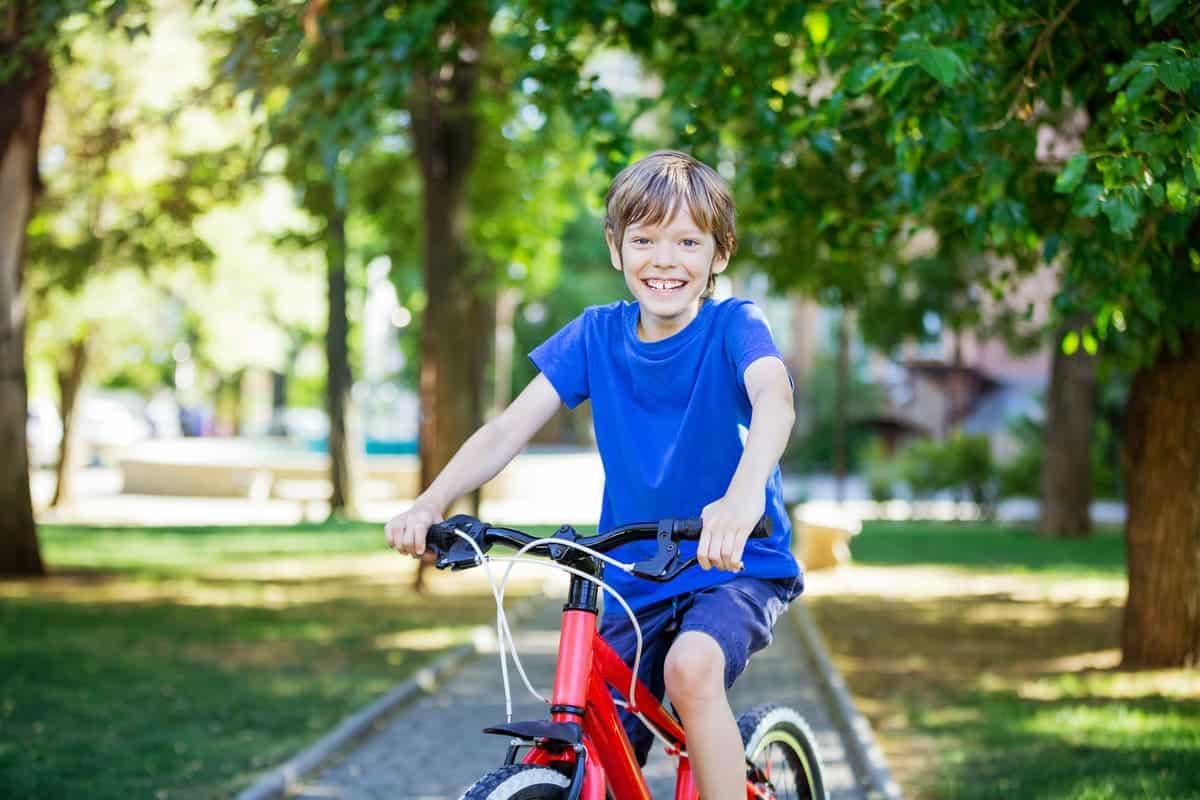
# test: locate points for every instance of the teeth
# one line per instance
(659, 284)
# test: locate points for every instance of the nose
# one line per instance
(664, 254)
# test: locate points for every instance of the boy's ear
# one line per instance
(614, 252)
(719, 264)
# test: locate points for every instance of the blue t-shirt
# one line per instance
(671, 419)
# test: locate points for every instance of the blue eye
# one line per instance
(691, 243)
(640, 240)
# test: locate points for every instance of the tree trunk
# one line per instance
(343, 444)
(70, 380)
(1161, 459)
(22, 110)
(457, 323)
(841, 392)
(1066, 480)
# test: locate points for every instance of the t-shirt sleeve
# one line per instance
(748, 338)
(563, 360)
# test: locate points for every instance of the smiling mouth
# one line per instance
(664, 284)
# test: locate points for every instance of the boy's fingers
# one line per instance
(727, 546)
(702, 550)
(715, 548)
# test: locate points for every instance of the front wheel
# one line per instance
(783, 752)
(519, 782)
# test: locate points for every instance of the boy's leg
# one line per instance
(718, 633)
(694, 671)
(658, 623)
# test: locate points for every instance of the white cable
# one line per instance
(502, 628)
(637, 629)
(504, 631)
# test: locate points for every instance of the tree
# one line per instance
(31, 34)
(329, 76)
(1065, 483)
(122, 195)
(928, 113)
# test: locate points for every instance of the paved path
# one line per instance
(434, 749)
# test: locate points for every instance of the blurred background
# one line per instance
(269, 263)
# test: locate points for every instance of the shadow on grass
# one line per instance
(1090, 747)
(984, 696)
(127, 699)
(169, 663)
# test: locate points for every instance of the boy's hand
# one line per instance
(406, 531)
(727, 525)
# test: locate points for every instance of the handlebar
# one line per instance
(454, 553)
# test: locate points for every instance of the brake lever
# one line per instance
(664, 559)
(461, 555)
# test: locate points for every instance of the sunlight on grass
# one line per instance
(186, 661)
(1175, 683)
(424, 639)
(1116, 724)
(987, 659)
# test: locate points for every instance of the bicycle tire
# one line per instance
(519, 782)
(781, 746)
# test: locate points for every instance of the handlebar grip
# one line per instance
(452, 551)
(441, 537)
(691, 528)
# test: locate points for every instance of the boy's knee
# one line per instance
(694, 670)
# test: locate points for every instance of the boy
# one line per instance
(692, 407)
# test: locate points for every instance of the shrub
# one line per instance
(881, 470)
(1021, 476)
(961, 463)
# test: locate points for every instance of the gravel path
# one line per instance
(433, 749)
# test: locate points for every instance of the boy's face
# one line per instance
(666, 267)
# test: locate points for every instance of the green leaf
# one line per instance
(1070, 343)
(1176, 194)
(817, 25)
(1088, 200)
(942, 63)
(1071, 174)
(1124, 74)
(861, 76)
(1141, 82)
(1159, 9)
(1090, 344)
(1122, 210)
(1050, 247)
(947, 137)
(1174, 74)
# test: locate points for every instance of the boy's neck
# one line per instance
(654, 329)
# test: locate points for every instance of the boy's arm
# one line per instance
(483, 455)
(729, 520)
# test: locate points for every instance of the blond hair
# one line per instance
(649, 191)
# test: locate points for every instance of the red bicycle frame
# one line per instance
(587, 667)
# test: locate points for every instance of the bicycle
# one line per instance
(582, 751)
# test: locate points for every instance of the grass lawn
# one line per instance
(182, 662)
(987, 660)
